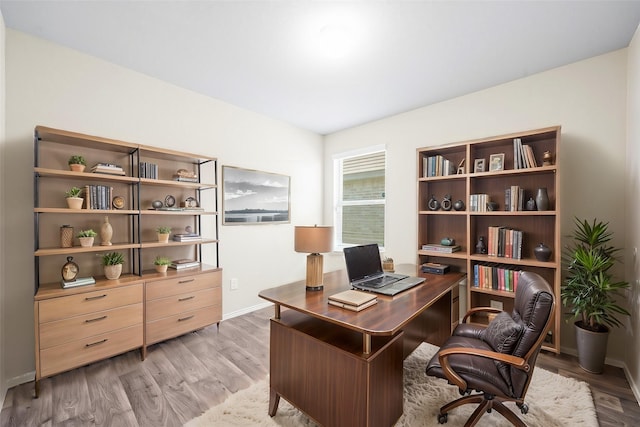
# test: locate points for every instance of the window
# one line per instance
(359, 197)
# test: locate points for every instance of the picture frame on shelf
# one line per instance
(478, 165)
(254, 197)
(496, 162)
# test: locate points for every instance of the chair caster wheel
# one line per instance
(524, 408)
(442, 418)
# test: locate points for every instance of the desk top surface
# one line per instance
(387, 317)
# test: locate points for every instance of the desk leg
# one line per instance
(274, 400)
(366, 344)
(277, 311)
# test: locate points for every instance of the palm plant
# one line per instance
(589, 289)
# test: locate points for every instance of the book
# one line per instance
(353, 297)
(440, 248)
(186, 237)
(434, 268)
(80, 281)
(184, 265)
(353, 307)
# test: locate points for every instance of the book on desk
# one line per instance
(353, 300)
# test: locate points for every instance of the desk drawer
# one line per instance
(169, 306)
(77, 353)
(183, 284)
(173, 326)
(86, 325)
(89, 302)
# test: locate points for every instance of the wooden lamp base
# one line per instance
(314, 272)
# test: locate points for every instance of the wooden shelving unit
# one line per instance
(466, 226)
(107, 324)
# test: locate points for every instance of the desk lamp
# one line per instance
(313, 240)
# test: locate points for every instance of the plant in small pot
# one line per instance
(77, 163)
(163, 234)
(161, 263)
(590, 290)
(112, 262)
(86, 237)
(74, 201)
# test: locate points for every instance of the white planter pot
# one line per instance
(86, 242)
(75, 202)
(113, 272)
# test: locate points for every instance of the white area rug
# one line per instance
(553, 401)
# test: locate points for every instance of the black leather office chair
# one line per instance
(497, 360)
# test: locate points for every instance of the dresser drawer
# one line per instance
(180, 285)
(86, 325)
(89, 302)
(169, 327)
(163, 307)
(77, 353)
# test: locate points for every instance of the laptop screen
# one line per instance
(362, 261)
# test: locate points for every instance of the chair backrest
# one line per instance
(533, 308)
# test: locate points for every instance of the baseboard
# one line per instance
(632, 384)
(246, 310)
(21, 379)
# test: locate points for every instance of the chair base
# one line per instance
(486, 403)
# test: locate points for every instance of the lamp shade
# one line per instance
(313, 239)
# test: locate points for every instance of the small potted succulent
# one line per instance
(77, 163)
(74, 201)
(163, 234)
(161, 263)
(86, 237)
(112, 262)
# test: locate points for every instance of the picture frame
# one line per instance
(252, 197)
(496, 162)
(478, 165)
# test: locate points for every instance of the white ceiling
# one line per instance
(264, 55)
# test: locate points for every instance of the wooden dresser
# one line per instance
(179, 304)
(78, 326)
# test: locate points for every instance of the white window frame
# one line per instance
(338, 201)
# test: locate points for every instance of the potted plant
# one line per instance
(74, 201)
(112, 262)
(589, 290)
(163, 234)
(77, 163)
(161, 263)
(86, 237)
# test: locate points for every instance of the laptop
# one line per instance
(364, 269)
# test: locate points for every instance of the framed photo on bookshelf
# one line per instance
(478, 165)
(496, 162)
(255, 197)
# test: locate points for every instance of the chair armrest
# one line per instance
(443, 357)
(475, 310)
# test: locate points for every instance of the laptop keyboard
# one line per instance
(379, 282)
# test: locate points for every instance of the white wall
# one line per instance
(54, 86)
(632, 207)
(587, 98)
(3, 323)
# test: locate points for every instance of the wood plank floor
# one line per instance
(183, 377)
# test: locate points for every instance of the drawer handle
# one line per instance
(186, 298)
(95, 320)
(185, 318)
(185, 281)
(97, 342)
(96, 297)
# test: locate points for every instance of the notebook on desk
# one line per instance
(364, 269)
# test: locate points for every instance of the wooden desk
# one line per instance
(345, 368)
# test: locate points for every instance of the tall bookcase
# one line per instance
(449, 172)
(157, 187)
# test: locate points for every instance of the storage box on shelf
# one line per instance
(117, 191)
(501, 207)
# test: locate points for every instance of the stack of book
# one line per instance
(514, 198)
(80, 281)
(504, 242)
(440, 248)
(108, 168)
(523, 157)
(184, 175)
(148, 170)
(180, 264)
(353, 300)
(437, 166)
(186, 237)
(478, 202)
